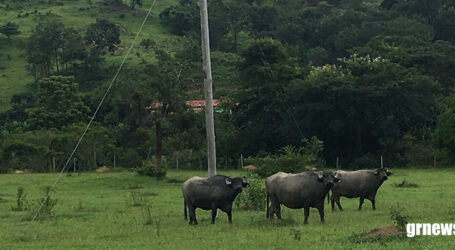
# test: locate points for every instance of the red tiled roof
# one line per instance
(200, 103)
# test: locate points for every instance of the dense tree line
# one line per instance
(367, 78)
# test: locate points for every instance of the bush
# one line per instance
(148, 169)
(254, 196)
(21, 200)
(400, 219)
(289, 160)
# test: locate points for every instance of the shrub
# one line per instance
(400, 219)
(289, 159)
(148, 169)
(47, 204)
(254, 196)
(21, 201)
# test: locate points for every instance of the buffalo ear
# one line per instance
(228, 181)
(320, 176)
(376, 172)
(245, 182)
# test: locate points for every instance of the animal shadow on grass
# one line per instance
(406, 184)
(133, 186)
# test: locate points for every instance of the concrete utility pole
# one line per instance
(207, 71)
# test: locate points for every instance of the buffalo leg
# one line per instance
(373, 204)
(306, 212)
(361, 203)
(192, 211)
(229, 214)
(332, 201)
(213, 214)
(339, 205)
(270, 212)
(278, 210)
(321, 214)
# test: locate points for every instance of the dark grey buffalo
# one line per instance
(303, 190)
(360, 183)
(218, 191)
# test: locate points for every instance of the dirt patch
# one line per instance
(384, 231)
(21, 171)
(102, 169)
(249, 167)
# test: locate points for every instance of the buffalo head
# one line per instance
(328, 178)
(383, 173)
(237, 183)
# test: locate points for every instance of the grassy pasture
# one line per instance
(127, 211)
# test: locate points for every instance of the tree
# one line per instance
(43, 48)
(266, 73)
(181, 19)
(72, 49)
(444, 133)
(9, 29)
(103, 34)
(365, 106)
(133, 3)
(164, 92)
(59, 104)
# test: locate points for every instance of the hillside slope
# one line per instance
(14, 76)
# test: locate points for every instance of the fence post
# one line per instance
(337, 162)
(241, 161)
(382, 162)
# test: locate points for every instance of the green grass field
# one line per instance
(127, 211)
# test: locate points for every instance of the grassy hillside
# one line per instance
(127, 211)
(14, 76)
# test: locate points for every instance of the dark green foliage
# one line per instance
(445, 129)
(103, 34)
(263, 100)
(181, 19)
(59, 104)
(53, 47)
(288, 160)
(367, 103)
(148, 168)
(9, 29)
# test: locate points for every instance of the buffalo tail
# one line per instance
(267, 211)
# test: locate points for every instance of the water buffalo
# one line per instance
(360, 183)
(211, 193)
(303, 190)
